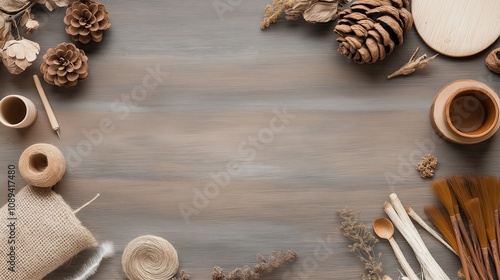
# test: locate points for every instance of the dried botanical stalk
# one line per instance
(275, 260)
(363, 243)
(413, 64)
(427, 165)
(274, 10)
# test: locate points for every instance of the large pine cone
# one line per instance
(64, 65)
(371, 29)
(86, 20)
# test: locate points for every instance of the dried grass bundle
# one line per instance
(274, 261)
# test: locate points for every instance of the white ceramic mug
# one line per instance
(17, 111)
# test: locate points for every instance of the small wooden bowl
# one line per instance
(466, 112)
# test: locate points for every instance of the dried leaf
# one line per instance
(53, 4)
(14, 6)
(28, 22)
(298, 8)
(4, 32)
(17, 55)
(321, 12)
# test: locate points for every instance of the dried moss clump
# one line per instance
(427, 165)
(275, 260)
(363, 243)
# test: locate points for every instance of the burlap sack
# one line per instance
(45, 235)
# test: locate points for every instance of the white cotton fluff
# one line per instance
(106, 250)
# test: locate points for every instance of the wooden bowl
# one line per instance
(466, 112)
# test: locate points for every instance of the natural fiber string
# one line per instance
(42, 165)
(150, 257)
(86, 204)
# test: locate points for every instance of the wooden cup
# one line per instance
(466, 112)
(17, 111)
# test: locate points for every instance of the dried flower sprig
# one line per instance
(274, 10)
(17, 52)
(413, 64)
(85, 21)
(275, 260)
(363, 243)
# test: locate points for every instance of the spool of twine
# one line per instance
(42, 165)
(150, 257)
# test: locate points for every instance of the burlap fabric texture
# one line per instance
(47, 234)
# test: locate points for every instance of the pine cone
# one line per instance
(86, 20)
(17, 55)
(493, 60)
(64, 65)
(371, 29)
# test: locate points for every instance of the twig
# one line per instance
(424, 225)
(413, 64)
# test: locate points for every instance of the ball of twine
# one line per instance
(42, 165)
(150, 257)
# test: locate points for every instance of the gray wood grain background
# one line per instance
(220, 82)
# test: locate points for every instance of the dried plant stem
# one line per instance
(425, 226)
(363, 243)
(274, 10)
(431, 268)
(413, 64)
(275, 260)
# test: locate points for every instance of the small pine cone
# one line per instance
(371, 29)
(86, 20)
(64, 65)
(493, 60)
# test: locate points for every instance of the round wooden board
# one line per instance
(457, 28)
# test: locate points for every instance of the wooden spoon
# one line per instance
(385, 230)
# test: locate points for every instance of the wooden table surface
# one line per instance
(302, 131)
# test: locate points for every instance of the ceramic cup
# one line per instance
(466, 112)
(17, 111)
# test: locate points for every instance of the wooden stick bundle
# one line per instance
(478, 198)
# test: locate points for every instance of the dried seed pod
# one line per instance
(378, 26)
(64, 65)
(86, 20)
(493, 61)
